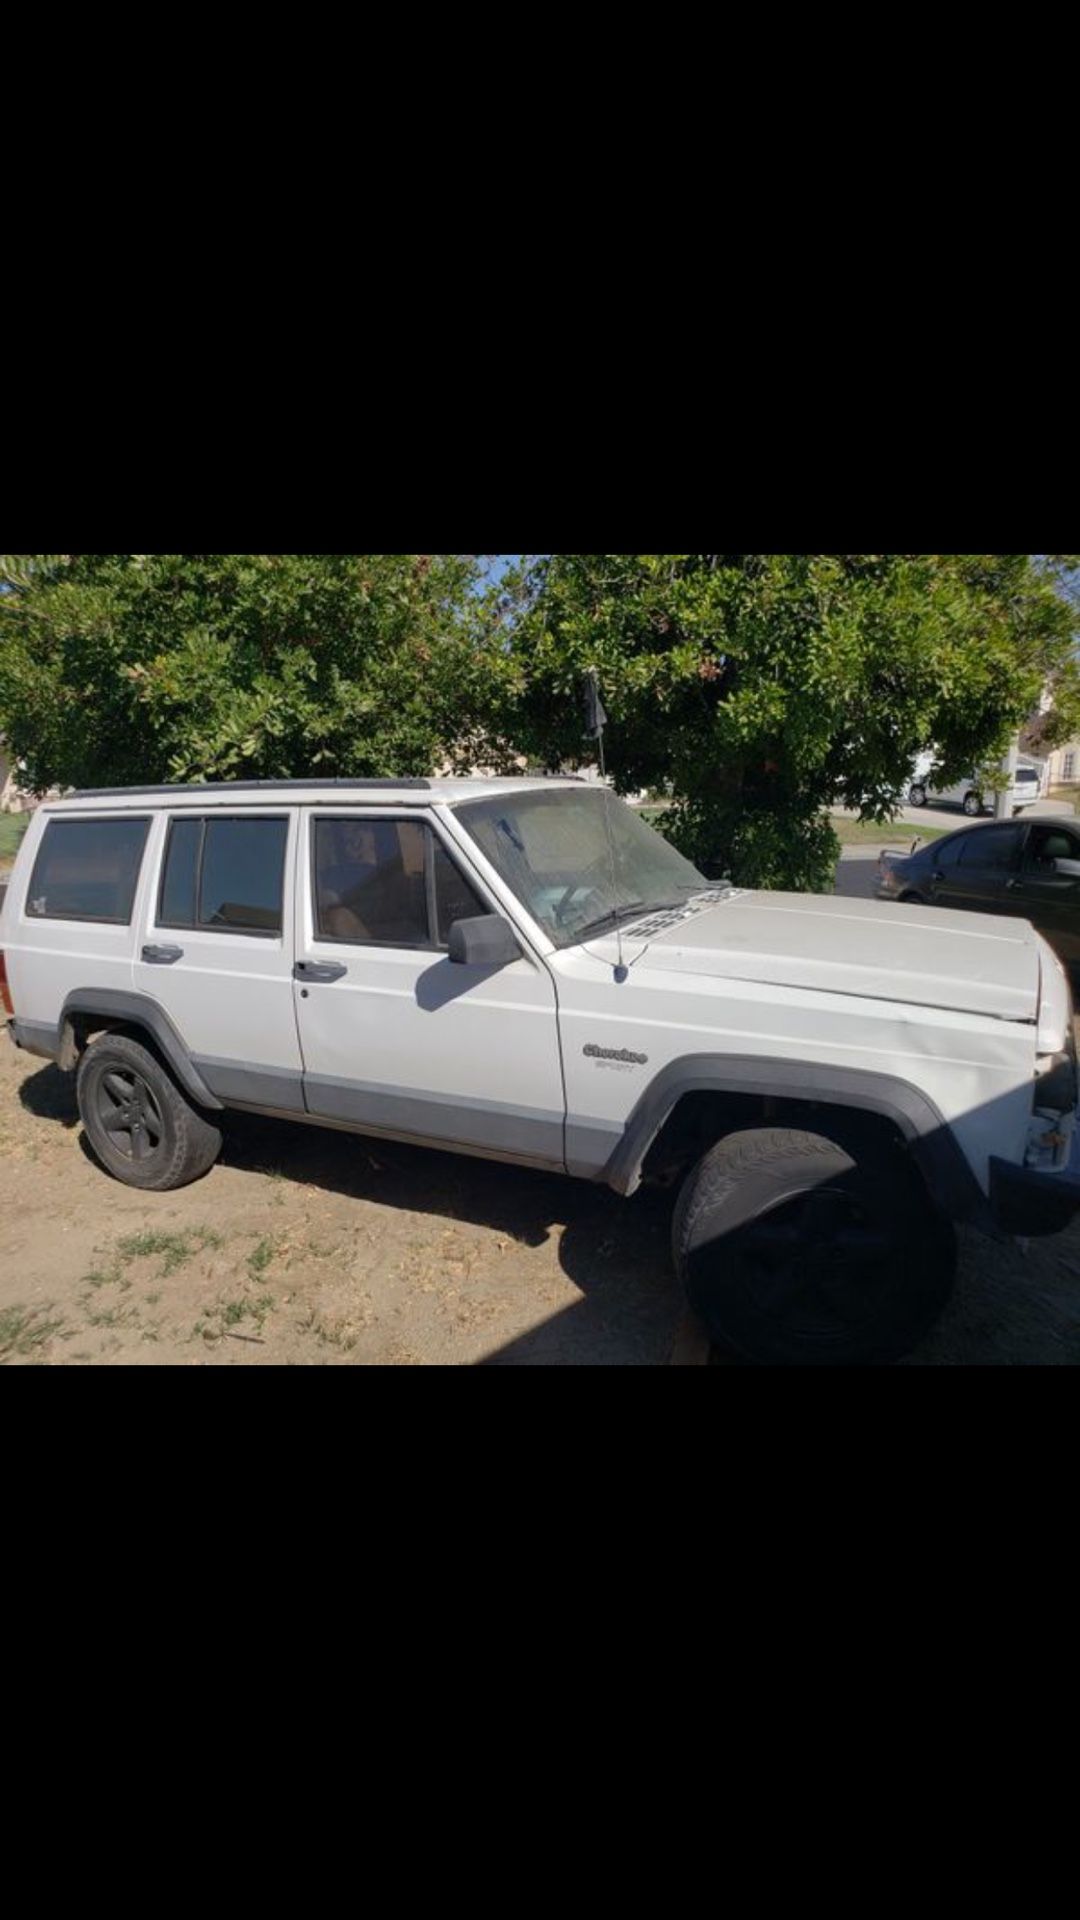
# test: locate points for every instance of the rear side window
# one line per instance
(88, 870)
(225, 875)
(992, 849)
(949, 853)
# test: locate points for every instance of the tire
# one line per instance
(973, 805)
(792, 1253)
(912, 900)
(917, 796)
(166, 1142)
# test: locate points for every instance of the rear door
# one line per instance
(68, 922)
(981, 878)
(215, 949)
(395, 1038)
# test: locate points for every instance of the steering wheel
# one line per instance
(559, 910)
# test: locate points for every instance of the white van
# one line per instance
(1030, 784)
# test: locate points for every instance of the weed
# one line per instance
(173, 1249)
(261, 1258)
(24, 1330)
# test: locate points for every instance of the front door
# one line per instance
(1047, 889)
(395, 1038)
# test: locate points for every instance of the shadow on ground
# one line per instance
(615, 1251)
(1008, 1310)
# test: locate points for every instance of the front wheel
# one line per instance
(917, 796)
(973, 805)
(794, 1254)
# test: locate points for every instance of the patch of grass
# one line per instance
(102, 1277)
(112, 1317)
(261, 1259)
(867, 833)
(228, 1315)
(12, 828)
(329, 1333)
(25, 1330)
(173, 1249)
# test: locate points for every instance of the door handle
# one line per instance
(318, 972)
(162, 956)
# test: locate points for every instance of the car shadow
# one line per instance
(615, 1251)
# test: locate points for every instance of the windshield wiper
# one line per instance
(608, 919)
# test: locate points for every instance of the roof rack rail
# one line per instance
(252, 786)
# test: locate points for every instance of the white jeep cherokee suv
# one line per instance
(526, 971)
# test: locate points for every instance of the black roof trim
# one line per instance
(254, 786)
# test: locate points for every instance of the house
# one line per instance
(1065, 765)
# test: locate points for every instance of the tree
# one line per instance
(758, 690)
(123, 668)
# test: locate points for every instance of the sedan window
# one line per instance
(992, 849)
(1047, 845)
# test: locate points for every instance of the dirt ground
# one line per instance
(306, 1247)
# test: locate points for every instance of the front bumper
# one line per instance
(1030, 1203)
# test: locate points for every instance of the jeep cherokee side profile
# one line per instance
(524, 970)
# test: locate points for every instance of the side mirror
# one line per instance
(487, 941)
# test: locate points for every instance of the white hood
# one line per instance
(920, 956)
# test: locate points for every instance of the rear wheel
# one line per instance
(917, 795)
(141, 1127)
(973, 805)
(793, 1253)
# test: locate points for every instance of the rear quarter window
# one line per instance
(87, 870)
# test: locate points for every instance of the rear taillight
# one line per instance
(5, 991)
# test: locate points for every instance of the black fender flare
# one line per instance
(136, 1010)
(933, 1145)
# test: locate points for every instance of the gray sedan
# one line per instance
(1027, 868)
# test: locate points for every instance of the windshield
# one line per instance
(554, 851)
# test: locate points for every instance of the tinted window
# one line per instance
(947, 854)
(992, 849)
(454, 897)
(87, 870)
(179, 887)
(1047, 845)
(243, 874)
(371, 883)
(225, 875)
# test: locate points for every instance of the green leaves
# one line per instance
(760, 689)
(118, 668)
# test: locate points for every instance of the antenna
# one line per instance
(596, 718)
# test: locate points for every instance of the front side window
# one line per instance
(88, 870)
(1047, 847)
(225, 875)
(574, 855)
(386, 883)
